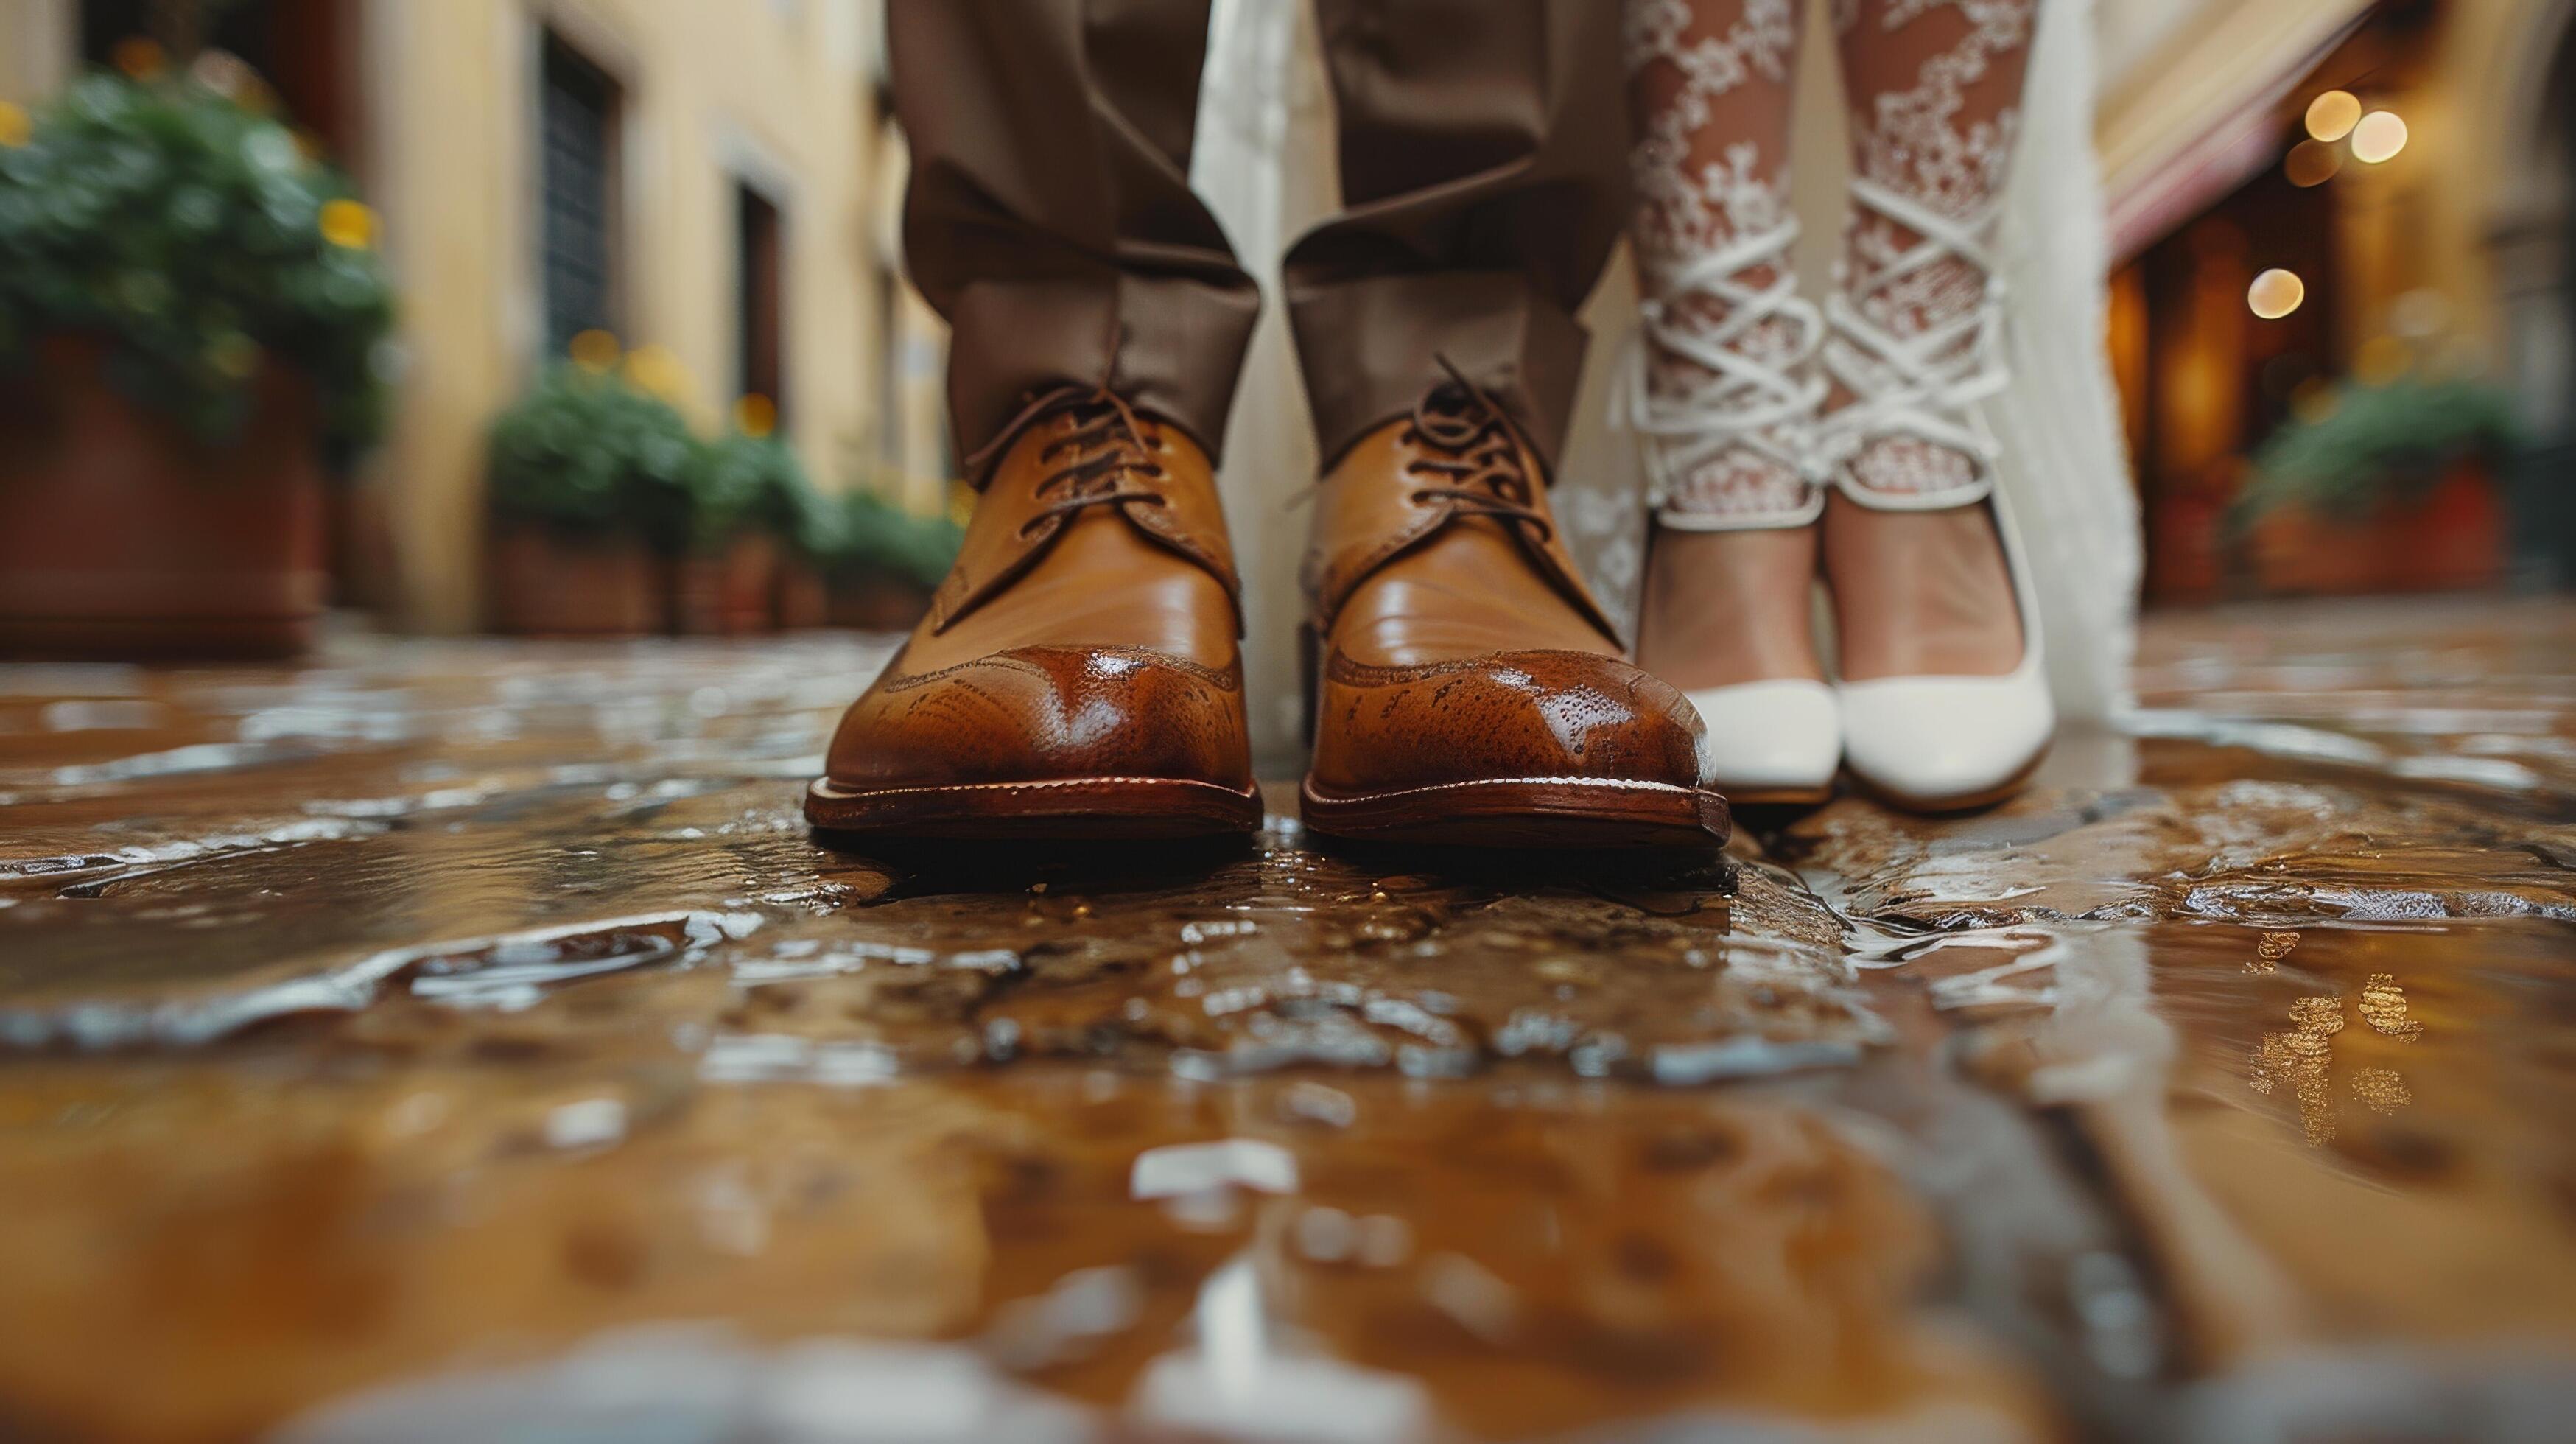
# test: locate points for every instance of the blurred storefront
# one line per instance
(2340, 316)
(709, 184)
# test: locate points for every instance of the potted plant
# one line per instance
(887, 563)
(2381, 488)
(804, 589)
(192, 332)
(589, 497)
(747, 493)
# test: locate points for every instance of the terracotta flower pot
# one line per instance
(543, 582)
(121, 534)
(2450, 538)
(804, 602)
(729, 592)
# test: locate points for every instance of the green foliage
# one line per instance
(2375, 444)
(749, 483)
(190, 232)
(589, 453)
(875, 535)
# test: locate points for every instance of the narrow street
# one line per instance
(452, 1039)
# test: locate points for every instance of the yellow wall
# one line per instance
(36, 47)
(778, 91)
(775, 91)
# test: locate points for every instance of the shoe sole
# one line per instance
(1742, 797)
(1526, 812)
(1073, 808)
(2003, 791)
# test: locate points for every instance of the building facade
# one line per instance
(2449, 256)
(707, 183)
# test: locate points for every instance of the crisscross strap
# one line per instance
(1927, 385)
(1743, 400)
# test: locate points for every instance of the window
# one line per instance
(758, 338)
(579, 120)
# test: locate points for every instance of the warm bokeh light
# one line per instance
(14, 125)
(755, 415)
(2314, 400)
(594, 350)
(2419, 314)
(2379, 135)
(2312, 162)
(2381, 359)
(2275, 294)
(2331, 115)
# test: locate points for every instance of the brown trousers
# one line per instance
(1050, 217)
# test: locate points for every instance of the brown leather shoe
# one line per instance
(1466, 688)
(1077, 675)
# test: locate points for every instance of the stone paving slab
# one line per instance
(466, 1039)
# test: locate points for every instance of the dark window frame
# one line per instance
(760, 297)
(580, 195)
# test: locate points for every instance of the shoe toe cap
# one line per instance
(1038, 714)
(1945, 740)
(1783, 733)
(1509, 715)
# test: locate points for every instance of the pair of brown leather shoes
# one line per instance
(1077, 674)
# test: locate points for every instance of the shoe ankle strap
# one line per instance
(1927, 385)
(1747, 400)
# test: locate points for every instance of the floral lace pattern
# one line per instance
(1690, 202)
(1699, 190)
(1929, 143)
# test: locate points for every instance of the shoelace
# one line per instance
(1743, 401)
(1109, 446)
(1924, 385)
(1480, 451)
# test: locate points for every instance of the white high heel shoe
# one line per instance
(1934, 743)
(1778, 740)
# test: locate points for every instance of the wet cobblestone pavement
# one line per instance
(466, 1040)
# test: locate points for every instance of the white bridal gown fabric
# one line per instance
(1264, 162)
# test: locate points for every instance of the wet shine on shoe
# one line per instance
(1465, 687)
(1077, 675)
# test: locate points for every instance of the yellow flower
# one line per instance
(348, 223)
(14, 127)
(656, 370)
(594, 351)
(755, 415)
(139, 56)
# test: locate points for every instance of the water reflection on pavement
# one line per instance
(457, 1040)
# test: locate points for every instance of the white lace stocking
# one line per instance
(1717, 385)
(1934, 92)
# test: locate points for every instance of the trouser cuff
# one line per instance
(1170, 345)
(1371, 347)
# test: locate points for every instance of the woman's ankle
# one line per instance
(1919, 593)
(1727, 607)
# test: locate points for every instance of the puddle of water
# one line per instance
(2154, 1099)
